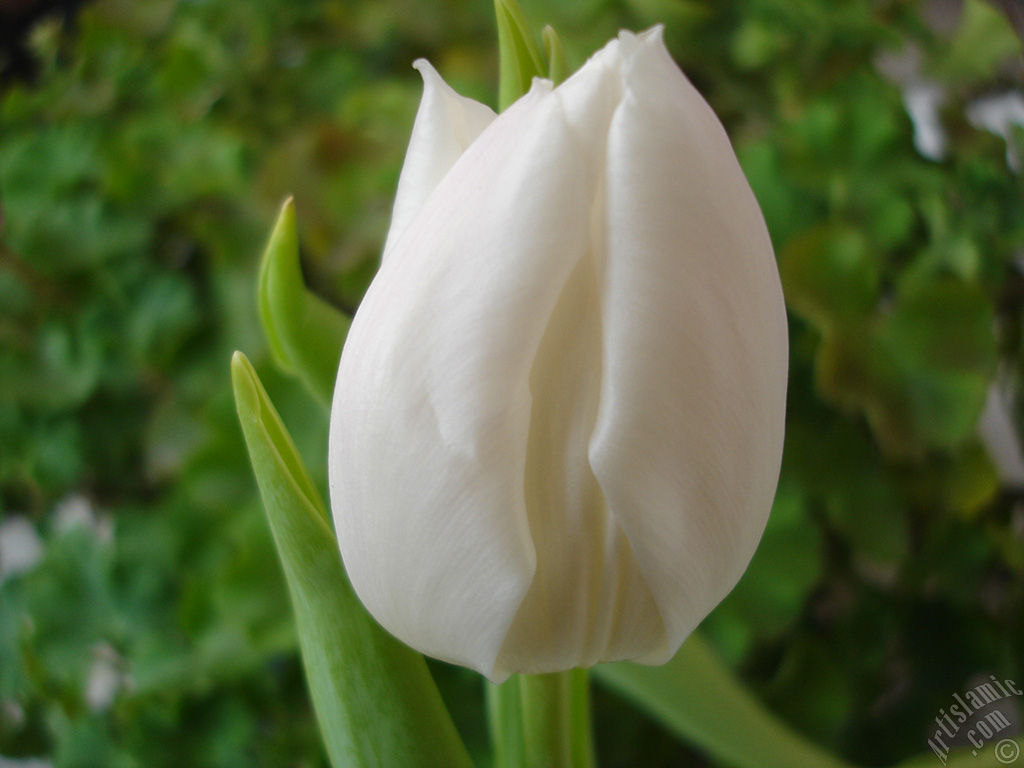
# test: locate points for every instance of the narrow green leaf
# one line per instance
(374, 698)
(305, 332)
(519, 58)
(696, 697)
(554, 52)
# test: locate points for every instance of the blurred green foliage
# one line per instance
(139, 173)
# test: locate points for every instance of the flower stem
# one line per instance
(542, 721)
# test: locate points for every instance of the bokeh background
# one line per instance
(144, 148)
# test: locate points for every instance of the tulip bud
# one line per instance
(558, 419)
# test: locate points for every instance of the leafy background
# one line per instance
(144, 148)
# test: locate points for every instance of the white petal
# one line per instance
(431, 413)
(688, 438)
(446, 124)
(588, 601)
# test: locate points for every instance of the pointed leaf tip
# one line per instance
(374, 698)
(304, 332)
(519, 58)
(558, 62)
(243, 384)
(261, 423)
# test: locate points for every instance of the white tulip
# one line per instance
(558, 420)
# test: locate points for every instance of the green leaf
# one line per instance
(870, 516)
(697, 698)
(830, 276)
(963, 482)
(838, 467)
(554, 52)
(305, 333)
(519, 59)
(374, 698)
(984, 41)
(937, 349)
(917, 365)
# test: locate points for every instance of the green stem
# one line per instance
(505, 720)
(542, 721)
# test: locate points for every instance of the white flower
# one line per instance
(558, 421)
(21, 549)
